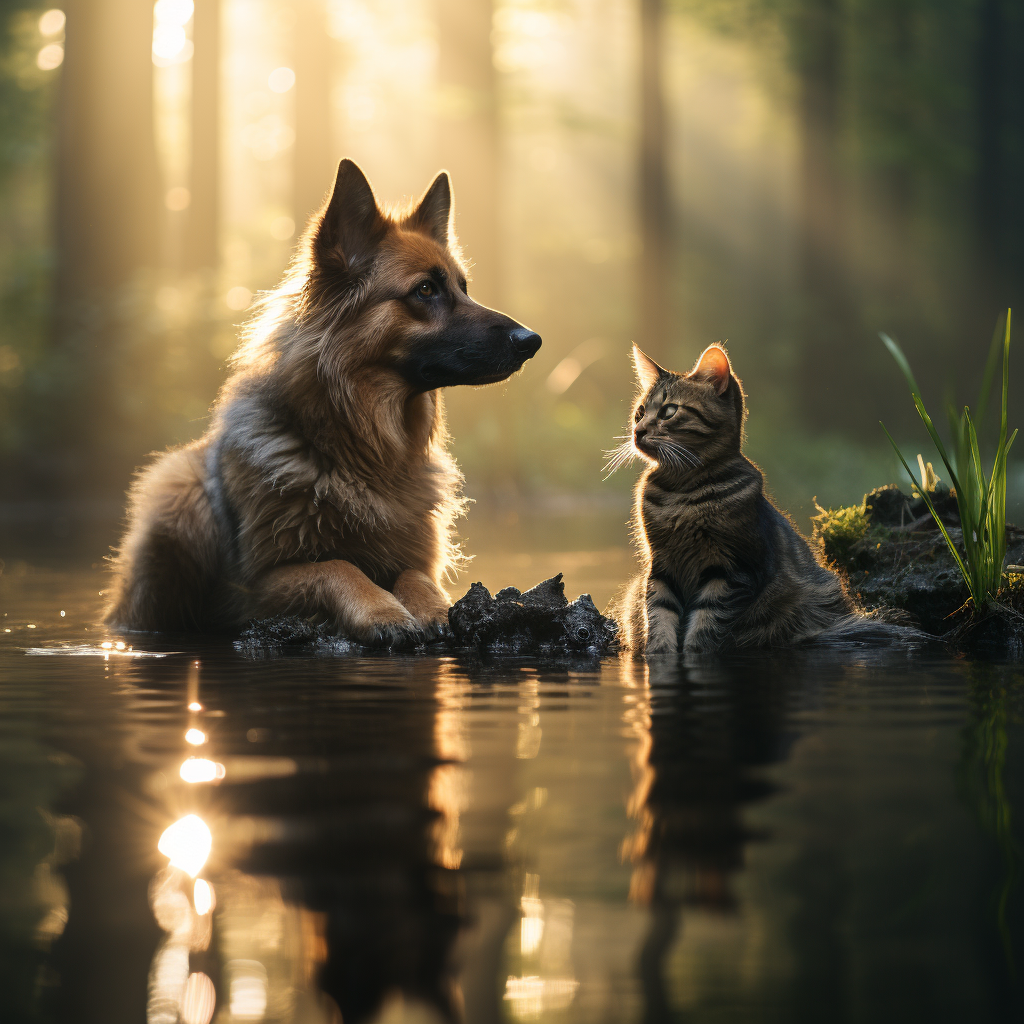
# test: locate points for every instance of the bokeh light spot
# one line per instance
(196, 737)
(168, 41)
(200, 769)
(202, 896)
(50, 56)
(281, 79)
(199, 1000)
(238, 297)
(173, 12)
(248, 991)
(187, 844)
(282, 228)
(52, 22)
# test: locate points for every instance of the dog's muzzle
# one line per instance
(525, 342)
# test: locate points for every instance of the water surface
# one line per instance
(421, 838)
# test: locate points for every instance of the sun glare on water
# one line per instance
(187, 844)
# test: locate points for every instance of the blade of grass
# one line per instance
(935, 515)
(990, 367)
(901, 362)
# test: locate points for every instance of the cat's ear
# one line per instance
(647, 370)
(713, 367)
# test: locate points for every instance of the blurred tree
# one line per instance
(107, 231)
(108, 183)
(656, 227)
(468, 136)
(315, 153)
(829, 312)
(990, 106)
(202, 235)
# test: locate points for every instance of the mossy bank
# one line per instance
(893, 555)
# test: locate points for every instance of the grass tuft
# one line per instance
(981, 499)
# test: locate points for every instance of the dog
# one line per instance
(323, 487)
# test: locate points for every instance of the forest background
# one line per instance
(790, 176)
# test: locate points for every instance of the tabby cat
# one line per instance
(723, 567)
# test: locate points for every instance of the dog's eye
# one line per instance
(426, 289)
(667, 412)
(639, 414)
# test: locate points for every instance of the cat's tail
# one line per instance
(856, 630)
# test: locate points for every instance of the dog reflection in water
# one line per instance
(316, 875)
(324, 487)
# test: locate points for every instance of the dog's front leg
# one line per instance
(424, 599)
(345, 595)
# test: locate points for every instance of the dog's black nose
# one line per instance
(525, 341)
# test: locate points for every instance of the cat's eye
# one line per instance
(426, 289)
(639, 415)
(666, 412)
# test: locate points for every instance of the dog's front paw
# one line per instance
(426, 602)
(385, 624)
(434, 624)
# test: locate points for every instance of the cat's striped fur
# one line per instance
(723, 567)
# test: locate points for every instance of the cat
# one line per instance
(723, 567)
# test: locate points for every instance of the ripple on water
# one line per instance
(93, 650)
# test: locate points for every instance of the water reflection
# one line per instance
(994, 702)
(334, 867)
(398, 839)
(704, 732)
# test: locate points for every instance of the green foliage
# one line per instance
(838, 529)
(981, 500)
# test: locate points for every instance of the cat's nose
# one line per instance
(640, 433)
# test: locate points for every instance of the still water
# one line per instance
(189, 835)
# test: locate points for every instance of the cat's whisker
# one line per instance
(678, 456)
(683, 453)
(619, 456)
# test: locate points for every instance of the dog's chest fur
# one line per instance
(300, 505)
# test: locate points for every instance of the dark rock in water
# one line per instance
(289, 634)
(538, 621)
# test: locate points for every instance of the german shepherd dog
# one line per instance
(323, 487)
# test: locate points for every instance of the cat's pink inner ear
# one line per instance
(713, 366)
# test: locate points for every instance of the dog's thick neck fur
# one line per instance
(311, 347)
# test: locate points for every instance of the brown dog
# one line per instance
(323, 487)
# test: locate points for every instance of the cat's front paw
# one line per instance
(661, 644)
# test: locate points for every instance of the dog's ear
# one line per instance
(647, 370)
(351, 225)
(433, 213)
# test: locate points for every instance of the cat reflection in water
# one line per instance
(723, 567)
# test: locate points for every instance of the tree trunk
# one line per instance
(315, 154)
(990, 109)
(829, 316)
(108, 182)
(202, 233)
(108, 215)
(469, 137)
(655, 206)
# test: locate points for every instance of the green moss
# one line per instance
(837, 530)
